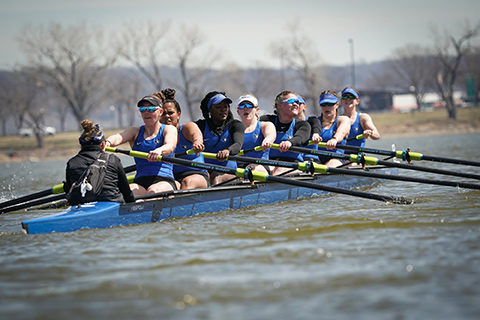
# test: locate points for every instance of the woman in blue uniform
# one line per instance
(222, 134)
(189, 137)
(257, 133)
(360, 122)
(290, 132)
(329, 127)
(154, 138)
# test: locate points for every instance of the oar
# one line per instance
(259, 176)
(55, 190)
(356, 158)
(311, 167)
(58, 189)
(357, 137)
(33, 203)
(406, 155)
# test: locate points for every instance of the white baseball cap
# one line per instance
(248, 98)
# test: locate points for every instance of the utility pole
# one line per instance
(352, 59)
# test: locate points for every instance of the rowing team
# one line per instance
(219, 133)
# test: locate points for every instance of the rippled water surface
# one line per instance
(328, 257)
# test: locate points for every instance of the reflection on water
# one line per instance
(327, 257)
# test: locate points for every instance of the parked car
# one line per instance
(44, 131)
(49, 131)
(25, 132)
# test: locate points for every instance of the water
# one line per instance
(331, 257)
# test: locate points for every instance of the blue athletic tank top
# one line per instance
(355, 130)
(283, 136)
(325, 134)
(182, 146)
(328, 134)
(146, 168)
(214, 143)
(253, 139)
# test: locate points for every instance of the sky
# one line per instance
(243, 30)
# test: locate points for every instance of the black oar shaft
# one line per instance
(131, 168)
(326, 188)
(26, 198)
(431, 170)
(450, 160)
(33, 203)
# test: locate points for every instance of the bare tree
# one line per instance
(258, 80)
(186, 51)
(142, 44)
(305, 59)
(449, 52)
(70, 60)
(61, 109)
(27, 101)
(6, 99)
(124, 93)
(10, 94)
(412, 69)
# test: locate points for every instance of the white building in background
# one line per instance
(407, 102)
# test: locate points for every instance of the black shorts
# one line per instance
(284, 159)
(182, 175)
(324, 159)
(244, 165)
(147, 181)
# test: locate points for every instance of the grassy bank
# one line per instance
(391, 125)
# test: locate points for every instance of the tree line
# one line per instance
(77, 70)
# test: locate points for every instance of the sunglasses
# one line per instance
(326, 104)
(246, 105)
(292, 101)
(348, 96)
(149, 109)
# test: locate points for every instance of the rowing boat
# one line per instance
(187, 203)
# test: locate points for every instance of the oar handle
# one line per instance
(357, 137)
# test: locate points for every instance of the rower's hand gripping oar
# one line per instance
(260, 176)
(366, 160)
